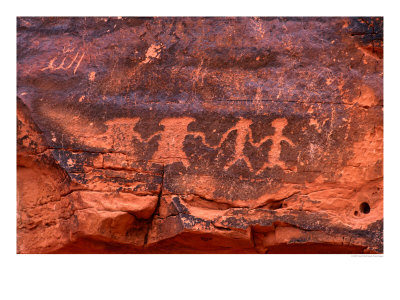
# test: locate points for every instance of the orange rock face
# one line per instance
(200, 135)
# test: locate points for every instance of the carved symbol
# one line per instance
(51, 65)
(172, 138)
(243, 130)
(277, 138)
(122, 133)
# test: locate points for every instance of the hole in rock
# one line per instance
(356, 213)
(274, 205)
(364, 208)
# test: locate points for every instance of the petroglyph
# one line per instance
(276, 148)
(52, 63)
(123, 133)
(172, 137)
(243, 131)
(79, 62)
(120, 136)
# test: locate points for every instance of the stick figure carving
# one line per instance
(172, 137)
(243, 130)
(276, 148)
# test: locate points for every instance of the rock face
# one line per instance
(200, 135)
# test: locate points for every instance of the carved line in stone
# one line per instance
(175, 131)
(172, 137)
(243, 130)
(51, 65)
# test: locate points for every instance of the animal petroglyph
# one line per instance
(62, 65)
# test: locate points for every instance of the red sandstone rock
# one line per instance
(200, 135)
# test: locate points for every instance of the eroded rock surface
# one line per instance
(200, 135)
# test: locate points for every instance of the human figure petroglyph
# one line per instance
(123, 132)
(243, 130)
(170, 145)
(276, 148)
(172, 137)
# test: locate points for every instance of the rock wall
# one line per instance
(200, 135)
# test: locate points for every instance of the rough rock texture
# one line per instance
(200, 135)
